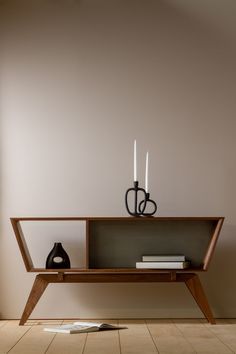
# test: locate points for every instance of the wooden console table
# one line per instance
(115, 244)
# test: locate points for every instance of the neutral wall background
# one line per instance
(80, 80)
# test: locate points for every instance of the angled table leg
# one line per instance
(37, 291)
(191, 280)
(195, 287)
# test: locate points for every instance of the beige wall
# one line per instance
(79, 81)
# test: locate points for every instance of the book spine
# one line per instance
(177, 258)
(162, 265)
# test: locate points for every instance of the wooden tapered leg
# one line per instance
(37, 291)
(191, 280)
(195, 287)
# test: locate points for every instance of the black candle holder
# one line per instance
(137, 210)
(139, 207)
(147, 201)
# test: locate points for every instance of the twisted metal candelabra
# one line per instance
(141, 200)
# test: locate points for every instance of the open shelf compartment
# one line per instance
(115, 244)
(121, 243)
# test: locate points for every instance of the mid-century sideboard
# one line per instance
(115, 244)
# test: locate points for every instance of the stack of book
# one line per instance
(163, 262)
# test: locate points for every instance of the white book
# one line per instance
(81, 327)
(162, 265)
(164, 258)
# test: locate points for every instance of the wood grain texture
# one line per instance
(168, 338)
(137, 338)
(37, 291)
(102, 342)
(36, 341)
(10, 334)
(22, 244)
(212, 244)
(113, 275)
(202, 338)
(16, 224)
(190, 279)
(162, 336)
(195, 287)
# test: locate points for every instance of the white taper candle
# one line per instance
(146, 174)
(135, 161)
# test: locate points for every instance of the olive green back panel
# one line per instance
(121, 243)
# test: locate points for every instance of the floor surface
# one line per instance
(141, 336)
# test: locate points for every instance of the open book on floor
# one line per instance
(82, 327)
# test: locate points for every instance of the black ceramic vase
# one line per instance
(57, 258)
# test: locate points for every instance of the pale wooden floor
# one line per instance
(146, 337)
